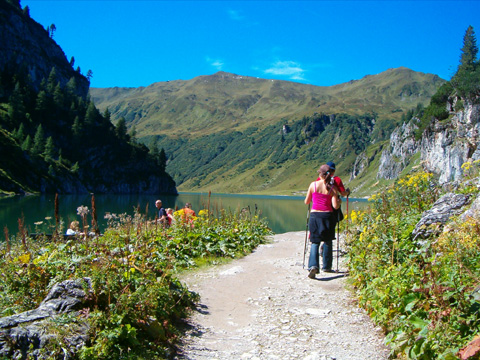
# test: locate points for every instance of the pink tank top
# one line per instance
(321, 202)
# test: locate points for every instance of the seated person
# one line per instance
(74, 228)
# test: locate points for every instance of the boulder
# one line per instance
(25, 335)
(444, 208)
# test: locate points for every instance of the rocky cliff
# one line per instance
(444, 147)
(25, 43)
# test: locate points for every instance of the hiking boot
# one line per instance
(312, 273)
(328, 270)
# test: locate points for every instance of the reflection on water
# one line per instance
(283, 213)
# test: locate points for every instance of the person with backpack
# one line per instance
(324, 198)
(337, 182)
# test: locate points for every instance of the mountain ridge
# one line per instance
(226, 101)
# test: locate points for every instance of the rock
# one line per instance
(397, 155)
(24, 335)
(444, 208)
(472, 211)
(446, 147)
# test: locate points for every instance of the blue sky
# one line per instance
(131, 43)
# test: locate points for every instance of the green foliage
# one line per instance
(423, 296)
(437, 108)
(53, 119)
(136, 302)
(264, 152)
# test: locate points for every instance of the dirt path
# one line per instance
(264, 307)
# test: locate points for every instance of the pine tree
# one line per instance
(20, 134)
(58, 96)
(38, 141)
(162, 160)
(52, 81)
(121, 129)
(27, 144)
(49, 151)
(91, 115)
(77, 127)
(467, 79)
(468, 58)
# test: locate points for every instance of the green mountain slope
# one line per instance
(223, 101)
(237, 134)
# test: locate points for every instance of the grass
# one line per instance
(136, 304)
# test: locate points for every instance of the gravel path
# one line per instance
(264, 307)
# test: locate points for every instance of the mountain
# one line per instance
(52, 138)
(224, 101)
(240, 134)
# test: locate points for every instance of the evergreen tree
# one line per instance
(468, 57)
(77, 127)
(20, 134)
(42, 104)
(467, 79)
(121, 129)
(71, 86)
(154, 146)
(26, 11)
(52, 81)
(91, 115)
(132, 134)
(107, 115)
(38, 141)
(49, 151)
(27, 144)
(162, 160)
(58, 96)
(17, 108)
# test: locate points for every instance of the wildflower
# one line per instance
(82, 210)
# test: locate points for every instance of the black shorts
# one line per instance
(321, 226)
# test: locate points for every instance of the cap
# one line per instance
(331, 164)
(324, 169)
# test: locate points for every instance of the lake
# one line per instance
(283, 213)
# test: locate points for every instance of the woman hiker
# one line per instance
(324, 197)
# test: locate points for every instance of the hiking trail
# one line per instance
(264, 306)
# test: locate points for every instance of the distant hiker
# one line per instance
(74, 228)
(170, 218)
(325, 199)
(337, 181)
(188, 213)
(162, 213)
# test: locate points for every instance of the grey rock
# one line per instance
(24, 335)
(397, 155)
(444, 208)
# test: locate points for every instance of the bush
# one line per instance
(136, 302)
(425, 298)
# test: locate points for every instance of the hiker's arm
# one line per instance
(308, 198)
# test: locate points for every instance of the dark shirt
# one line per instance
(162, 212)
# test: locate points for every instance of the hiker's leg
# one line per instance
(313, 260)
(327, 255)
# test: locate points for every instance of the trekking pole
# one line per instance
(306, 235)
(346, 225)
(338, 235)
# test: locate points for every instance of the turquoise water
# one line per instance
(283, 213)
